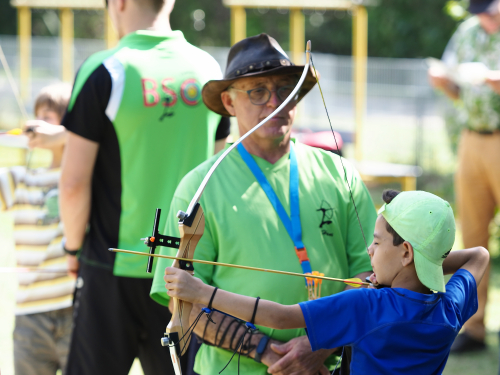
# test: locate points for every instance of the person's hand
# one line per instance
(493, 80)
(44, 135)
(73, 265)
(438, 80)
(297, 358)
(180, 284)
(373, 280)
(270, 357)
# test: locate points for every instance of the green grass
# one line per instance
(485, 362)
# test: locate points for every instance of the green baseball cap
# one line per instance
(427, 223)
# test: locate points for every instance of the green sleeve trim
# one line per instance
(160, 297)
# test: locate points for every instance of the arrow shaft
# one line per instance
(239, 266)
(29, 270)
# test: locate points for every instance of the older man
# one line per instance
(247, 204)
(477, 180)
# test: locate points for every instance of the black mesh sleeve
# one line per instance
(223, 128)
(87, 118)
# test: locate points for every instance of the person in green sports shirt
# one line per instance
(244, 223)
(136, 125)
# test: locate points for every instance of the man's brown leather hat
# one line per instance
(256, 56)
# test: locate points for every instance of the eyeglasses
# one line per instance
(262, 95)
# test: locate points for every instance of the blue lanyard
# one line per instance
(292, 223)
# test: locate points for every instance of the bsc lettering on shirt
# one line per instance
(189, 91)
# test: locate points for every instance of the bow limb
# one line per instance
(290, 97)
(191, 229)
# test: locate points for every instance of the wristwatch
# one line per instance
(260, 348)
(67, 251)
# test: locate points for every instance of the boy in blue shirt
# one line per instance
(406, 328)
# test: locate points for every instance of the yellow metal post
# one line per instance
(24, 31)
(110, 34)
(67, 38)
(409, 183)
(297, 35)
(359, 52)
(238, 24)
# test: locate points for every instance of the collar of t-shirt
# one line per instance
(266, 166)
(152, 35)
(415, 296)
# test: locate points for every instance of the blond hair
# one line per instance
(55, 97)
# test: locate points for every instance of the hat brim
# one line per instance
(212, 90)
(429, 273)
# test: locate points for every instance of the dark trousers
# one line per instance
(116, 321)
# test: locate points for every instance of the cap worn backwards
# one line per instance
(427, 223)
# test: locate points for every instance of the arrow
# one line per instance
(29, 270)
(354, 282)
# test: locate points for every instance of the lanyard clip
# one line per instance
(302, 254)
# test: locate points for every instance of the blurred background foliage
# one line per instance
(397, 28)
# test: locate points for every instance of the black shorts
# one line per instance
(116, 321)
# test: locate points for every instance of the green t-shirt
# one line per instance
(243, 228)
(141, 102)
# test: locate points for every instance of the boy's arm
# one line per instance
(474, 260)
(182, 285)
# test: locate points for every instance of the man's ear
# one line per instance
(407, 258)
(228, 102)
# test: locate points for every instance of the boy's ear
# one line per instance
(407, 258)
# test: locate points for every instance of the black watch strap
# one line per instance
(260, 348)
(67, 251)
(70, 252)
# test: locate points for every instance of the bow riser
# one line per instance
(190, 231)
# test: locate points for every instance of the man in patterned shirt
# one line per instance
(477, 178)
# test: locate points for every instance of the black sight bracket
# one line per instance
(157, 239)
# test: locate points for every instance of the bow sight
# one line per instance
(157, 239)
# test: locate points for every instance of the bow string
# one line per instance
(341, 159)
